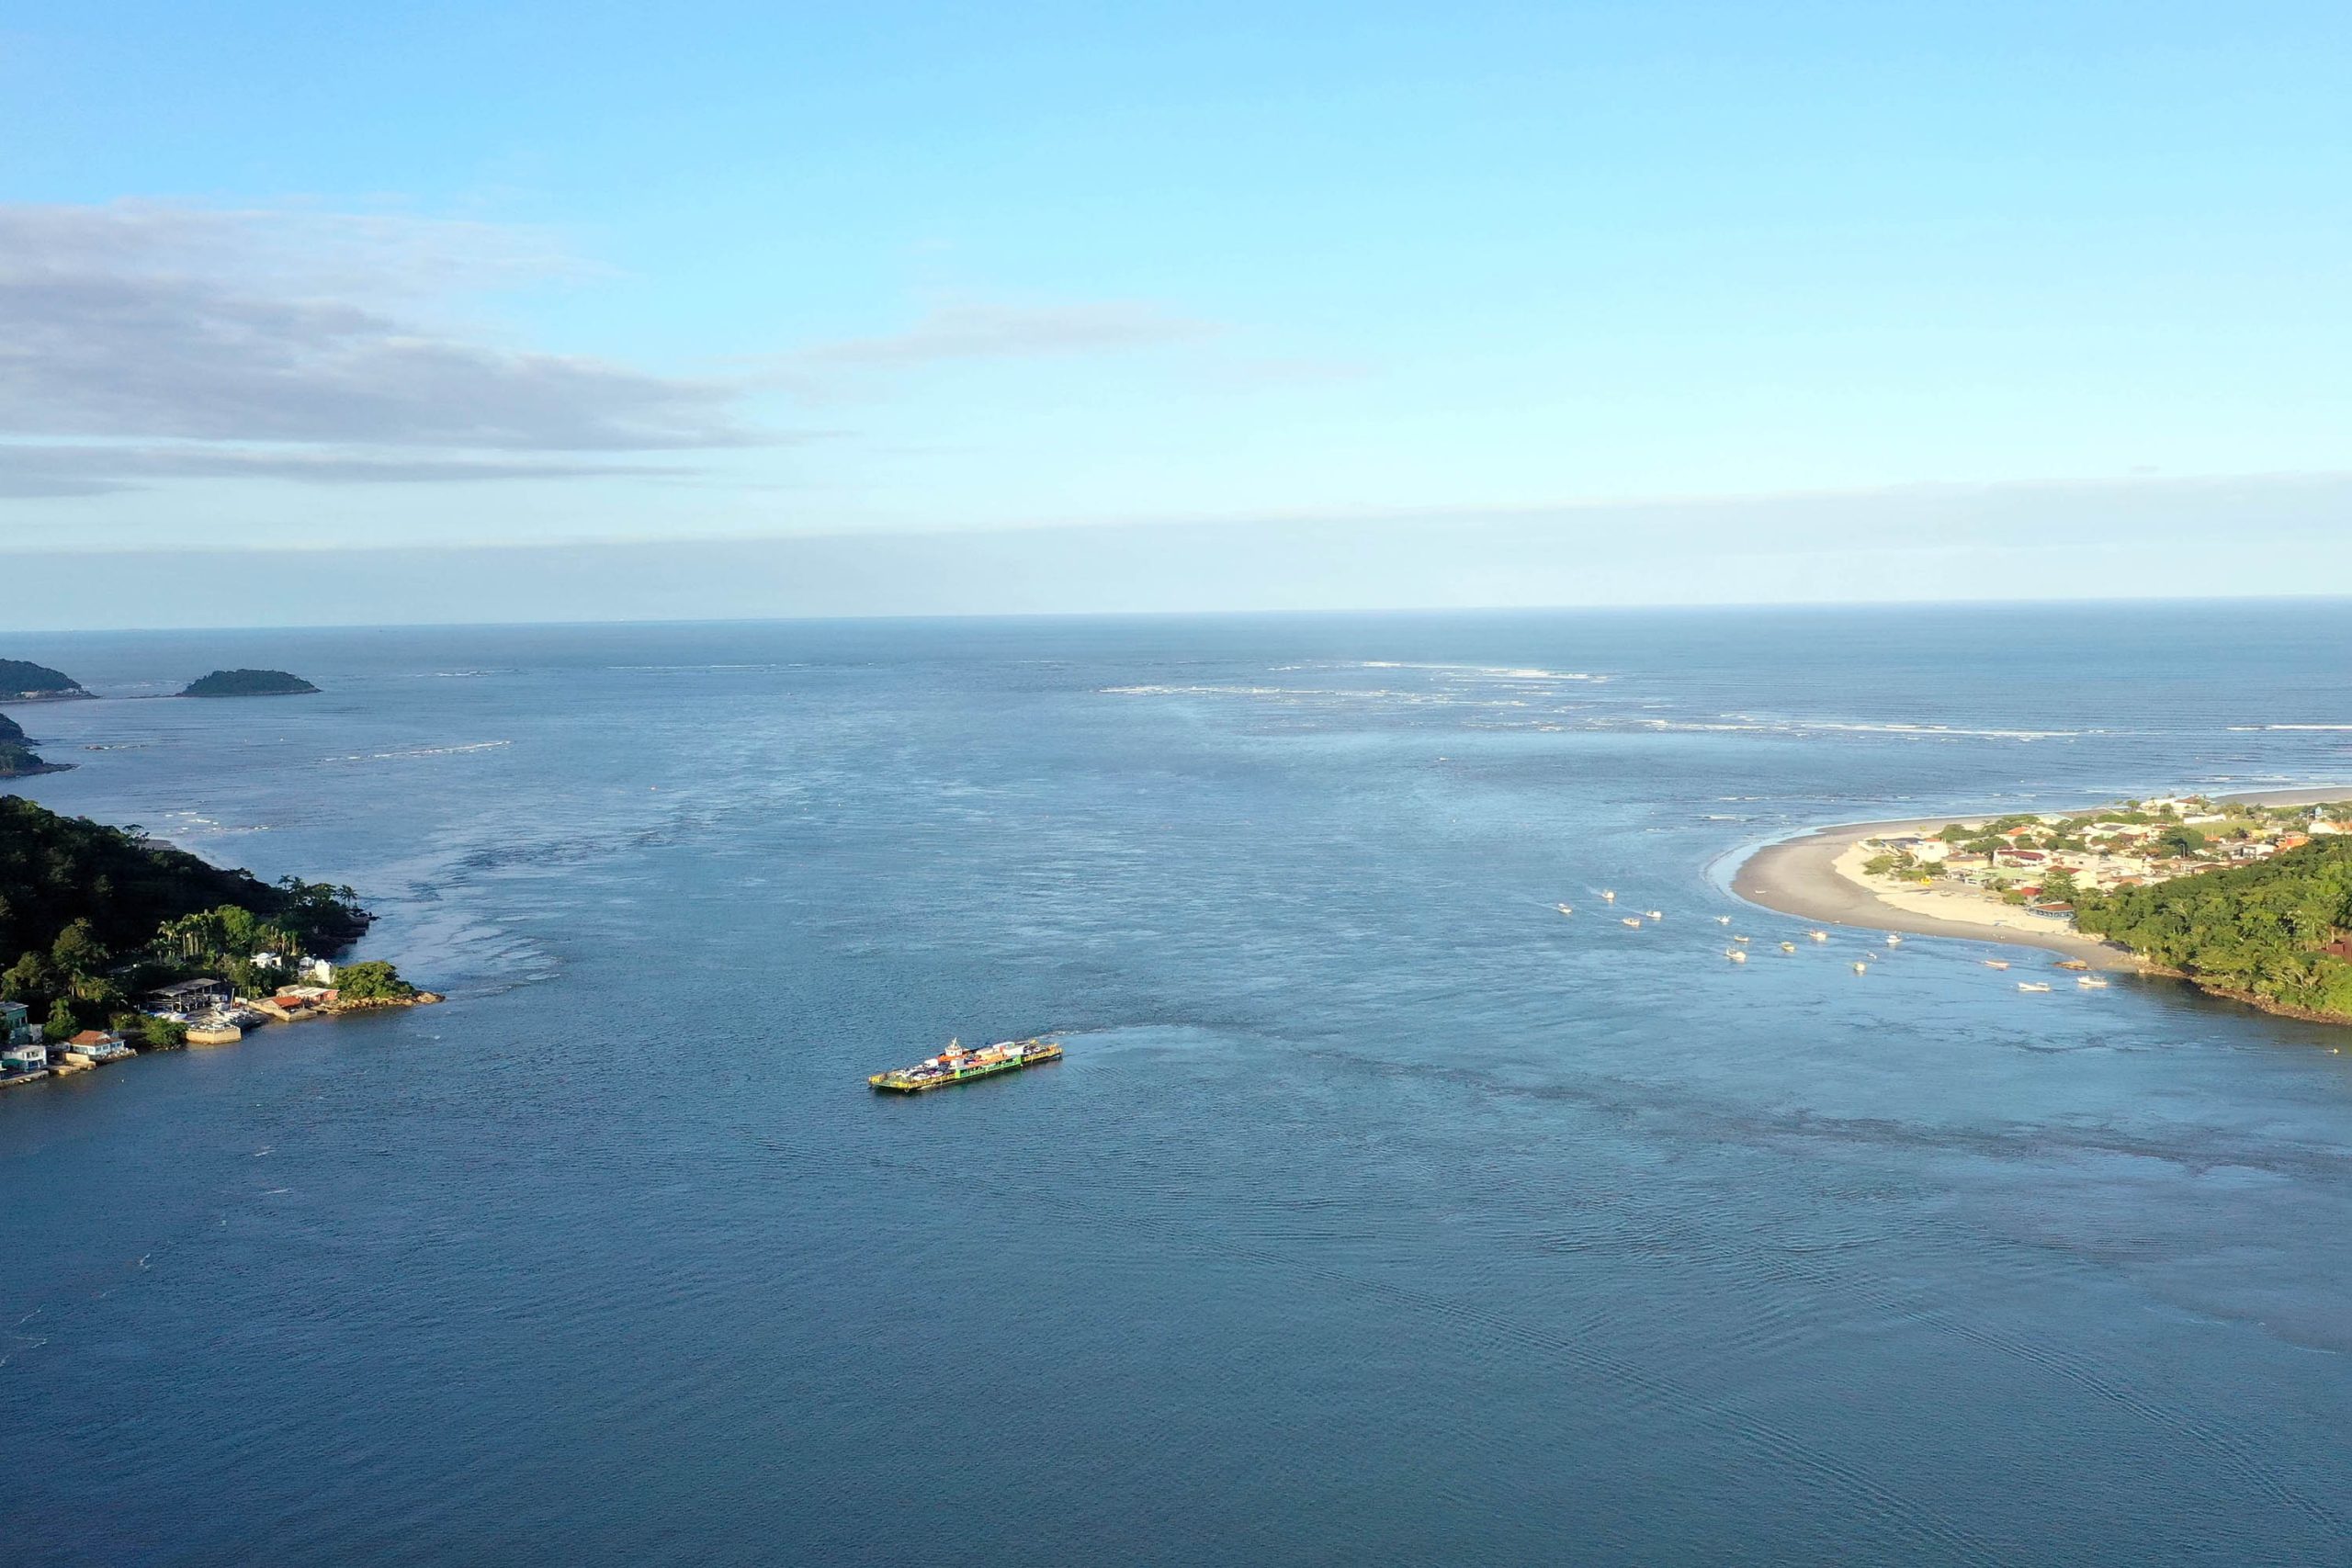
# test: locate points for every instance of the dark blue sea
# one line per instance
(1378, 1215)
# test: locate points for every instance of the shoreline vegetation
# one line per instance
(18, 758)
(2247, 897)
(23, 681)
(117, 944)
(112, 943)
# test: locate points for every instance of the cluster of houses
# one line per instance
(210, 1008)
(25, 1055)
(2113, 852)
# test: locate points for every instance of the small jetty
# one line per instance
(958, 1064)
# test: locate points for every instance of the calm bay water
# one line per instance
(1378, 1214)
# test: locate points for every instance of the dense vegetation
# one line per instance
(16, 756)
(248, 683)
(92, 915)
(21, 679)
(373, 981)
(2256, 930)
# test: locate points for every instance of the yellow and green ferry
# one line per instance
(958, 1064)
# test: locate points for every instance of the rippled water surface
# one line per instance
(1378, 1214)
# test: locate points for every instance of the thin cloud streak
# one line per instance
(142, 322)
(29, 473)
(974, 330)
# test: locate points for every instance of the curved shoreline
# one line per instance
(1799, 877)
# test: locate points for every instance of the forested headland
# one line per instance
(92, 917)
(2271, 933)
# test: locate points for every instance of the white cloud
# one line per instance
(143, 322)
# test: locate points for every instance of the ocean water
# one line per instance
(1378, 1215)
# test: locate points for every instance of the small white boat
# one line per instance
(1741, 940)
(1893, 940)
(1563, 909)
(2090, 982)
(1655, 914)
(1861, 968)
(2034, 985)
(1722, 919)
(1996, 964)
(1788, 947)
(1609, 894)
(1630, 920)
(1734, 955)
(1818, 936)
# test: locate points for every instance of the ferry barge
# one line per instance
(958, 1064)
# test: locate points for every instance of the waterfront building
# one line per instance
(99, 1045)
(191, 997)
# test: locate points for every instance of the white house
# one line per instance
(16, 1024)
(24, 1058)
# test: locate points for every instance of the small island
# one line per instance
(249, 683)
(21, 681)
(113, 944)
(2249, 899)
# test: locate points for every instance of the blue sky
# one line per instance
(1306, 306)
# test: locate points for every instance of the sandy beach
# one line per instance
(1818, 875)
(1803, 877)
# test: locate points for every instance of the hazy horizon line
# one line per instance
(1325, 613)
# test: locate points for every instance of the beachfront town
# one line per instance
(2040, 862)
(205, 1010)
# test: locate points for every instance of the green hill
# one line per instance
(23, 681)
(248, 683)
(2260, 933)
(18, 759)
(84, 910)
